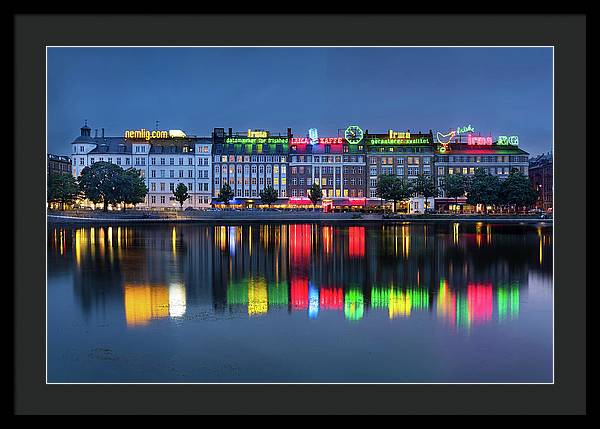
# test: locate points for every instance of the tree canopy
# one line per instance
(425, 186)
(62, 189)
(225, 194)
(268, 195)
(516, 190)
(181, 194)
(100, 183)
(454, 185)
(394, 188)
(315, 194)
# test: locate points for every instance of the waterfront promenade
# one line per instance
(135, 216)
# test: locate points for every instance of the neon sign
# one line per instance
(508, 140)
(244, 140)
(353, 134)
(416, 140)
(479, 141)
(258, 134)
(465, 129)
(313, 135)
(320, 140)
(146, 135)
(398, 135)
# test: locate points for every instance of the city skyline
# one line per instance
(198, 89)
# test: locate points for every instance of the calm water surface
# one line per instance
(406, 302)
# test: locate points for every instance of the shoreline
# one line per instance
(257, 217)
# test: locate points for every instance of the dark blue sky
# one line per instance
(497, 90)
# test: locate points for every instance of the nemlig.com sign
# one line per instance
(144, 134)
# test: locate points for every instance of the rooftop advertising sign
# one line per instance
(258, 134)
(320, 140)
(144, 134)
(246, 140)
(508, 140)
(313, 135)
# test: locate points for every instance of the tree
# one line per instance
(483, 188)
(132, 188)
(62, 189)
(225, 194)
(100, 182)
(315, 194)
(393, 188)
(181, 194)
(268, 195)
(454, 186)
(425, 186)
(516, 190)
(402, 190)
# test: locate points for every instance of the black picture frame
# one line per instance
(566, 33)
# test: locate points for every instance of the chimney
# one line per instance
(96, 133)
(289, 132)
(102, 132)
(230, 132)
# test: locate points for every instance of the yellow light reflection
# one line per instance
(174, 241)
(258, 301)
(145, 302)
(399, 304)
(455, 232)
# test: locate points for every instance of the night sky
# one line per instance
(502, 91)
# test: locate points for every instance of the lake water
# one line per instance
(405, 302)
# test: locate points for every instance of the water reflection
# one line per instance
(449, 272)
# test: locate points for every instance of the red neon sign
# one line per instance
(299, 140)
(321, 140)
(479, 141)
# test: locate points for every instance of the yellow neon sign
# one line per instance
(259, 134)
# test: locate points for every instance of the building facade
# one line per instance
(163, 158)
(346, 167)
(333, 163)
(466, 153)
(541, 176)
(399, 153)
(249, 162)
(58, 164)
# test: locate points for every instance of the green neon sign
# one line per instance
(508, 140)
(246, 140)
(417, 140)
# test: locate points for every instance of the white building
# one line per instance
(163, 162)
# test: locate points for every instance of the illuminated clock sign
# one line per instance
(353, 134)
(244, 140)
(258, 134)
(320, 140)
(508, 140)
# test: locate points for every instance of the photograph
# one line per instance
(333, 214)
